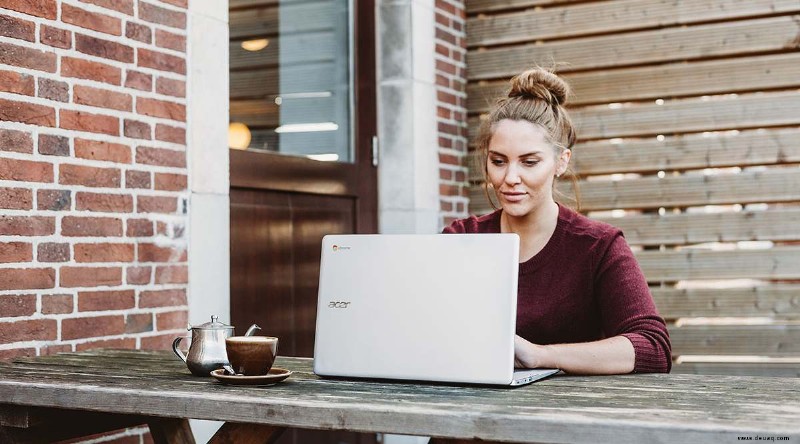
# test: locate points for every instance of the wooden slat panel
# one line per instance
(775, 301)
(682, 116)
(663, 81)
(785, 370)
(616, 16)
(689, 228)
(300, 48)
(780, 185)
(477, 6)
(659, 46)
(756, 340)
(774, 263)
(677, 153)
(303, 17)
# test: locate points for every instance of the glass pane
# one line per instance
(290, 83)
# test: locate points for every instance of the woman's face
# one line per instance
(521, 166)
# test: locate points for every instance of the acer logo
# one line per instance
(338, 304)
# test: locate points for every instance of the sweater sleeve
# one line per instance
(627, 308)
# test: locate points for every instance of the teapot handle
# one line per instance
(252, 330)
(175, 344)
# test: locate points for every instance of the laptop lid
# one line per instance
(418, 307)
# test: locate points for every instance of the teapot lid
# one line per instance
(213, 325)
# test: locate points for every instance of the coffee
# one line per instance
(251, 355)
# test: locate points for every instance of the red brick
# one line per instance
(160, 61)
(103, 98)
(139, 32)
(27, 57)
(27, 112)
(162, 298)
(161, 108)
(75, 226)
(13, 305)
(172, 320)
(25, 170)
(181, 3)
(156, 14)
(106, 151)
(170, 182)
(16, 141)
(138, 275)
(53, 200)
(48, 350)
(123, 6)
(16, 198)
(138, 323)
(53, 252)
(90, 276)
(103, 48)
(156, 204)
(55, 37)
(57, 304)
(27, 278)
(160, 157)
(169, 40)
(92, 327)
(17, 83)
(39, 8)
(138, 80)
(155, 253)
(17, 28)
(160, 342)
(90, 20)
(172, 274)
(108, 203)
(15, 252)
(106, 300)
(93, 123)
(104, 252)
(126, 343)
(27, 225)
(53, 145)
(30, 330)
(139, 228)
(53, 90)
(14, 353)
(89, 176)
(137, 179)
(171, 87)
(137, 130)
(171, 134)
(87, 69)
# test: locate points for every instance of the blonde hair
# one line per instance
(537, 96)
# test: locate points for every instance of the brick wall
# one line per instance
(93, 177)
(451, 109)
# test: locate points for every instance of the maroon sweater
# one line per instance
(585, 285)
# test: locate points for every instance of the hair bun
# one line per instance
(541, 84)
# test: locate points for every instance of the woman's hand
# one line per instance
(527, 354)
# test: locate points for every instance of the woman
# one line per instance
(583, 304)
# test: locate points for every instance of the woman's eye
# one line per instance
(497, 161)
(530, 163)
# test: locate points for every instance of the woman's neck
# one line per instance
(534, 229)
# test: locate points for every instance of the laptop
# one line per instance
(438, 308)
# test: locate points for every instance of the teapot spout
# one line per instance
(252, 330)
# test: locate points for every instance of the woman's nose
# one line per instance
(512, 176)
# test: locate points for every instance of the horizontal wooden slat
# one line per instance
(773, 263)
(785, 370)
(478, 6)
(300, 17)
(682, 116)
(691, 228)
(663, 81)
(659, 46)
(780, 302)
(755, 340)
(616, 16)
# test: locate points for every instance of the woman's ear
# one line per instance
(563, 162)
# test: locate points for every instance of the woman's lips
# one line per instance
(513, 196)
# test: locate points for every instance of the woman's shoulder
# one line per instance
(488, 223)
(579, 225)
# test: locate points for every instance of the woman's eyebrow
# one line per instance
(532, 153)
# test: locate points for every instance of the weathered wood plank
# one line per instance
(773, 263)
(658, 46)
(617, 16)
(783, 370)
(693, 228)
(750, 340)
(780, 302)
(697, 78)
(778, 185)
(477, 6)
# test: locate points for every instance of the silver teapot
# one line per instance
(207, 350)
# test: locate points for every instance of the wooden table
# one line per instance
(70, 393)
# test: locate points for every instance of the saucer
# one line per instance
(274, 376)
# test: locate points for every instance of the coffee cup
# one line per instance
(251, 355)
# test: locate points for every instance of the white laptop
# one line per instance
(420, 307)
